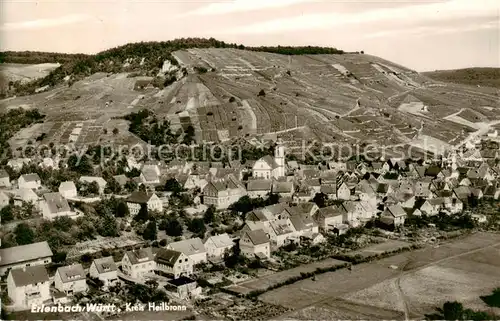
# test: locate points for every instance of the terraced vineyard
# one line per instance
(341, 99)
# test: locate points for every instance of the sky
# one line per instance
(421, 34)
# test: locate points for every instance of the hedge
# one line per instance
(352, 260)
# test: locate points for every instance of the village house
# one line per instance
(4, 200)
(303, 209)
(4, 179)
(303, 225)
(138, 263)
(354, 213)
(99, 180)
(271, 167)
(27, 286)
(330, 217)
(68, 189)
(224, 192)
(150, 175)
(217, 245)
(183, 288)
(192, 248)
(259, 188)
(453, 205)
(255, 243)
(70, 279)
(105, 270)
(329, 190)
(280, 232)
(26, 195)
(432, 207)
(303, 196)
(173, 263)
(54, 205)
(492, 192)
(121, 180)
(24, 255)
(149, 200)
(31, 181)
(194, 180)
(394, 215)
(283, 189)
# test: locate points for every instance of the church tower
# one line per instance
(279, 158)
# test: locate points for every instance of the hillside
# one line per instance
(470, 76)
(227, 93)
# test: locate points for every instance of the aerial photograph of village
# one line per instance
(250, 160)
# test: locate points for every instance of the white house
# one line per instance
(26, 195)
(24, 255)
(68, 189)
(70, 279)
(217, 245)
(32, 181)
(54, 205)
(223, 192)
(150, 175)
(4, 179)
(192, 248)
(268, 167)
(105, 270)
(138, 199)
(173, 263)
(255, 243)
(91, 179)
(28, 286)
(138, 263)
(395, 215)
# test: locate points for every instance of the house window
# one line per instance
(185, 260)
(180, 261)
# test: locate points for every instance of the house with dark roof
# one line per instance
(149, 200)
(255, 243)
(394, 215)
(138, 263)
(24, 255)
(223, 192)
(283, 189)
(174, 263)
(330, 217)
(259, 187)
(71, 279)
(28, 286)
(105, 270)
(183, 287)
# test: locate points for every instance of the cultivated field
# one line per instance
(263, 283)
(26, 73)
(462, 270)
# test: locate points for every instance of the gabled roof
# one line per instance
(140, 255)
(302, 222)
(56, 203)
(121, 179)
(282, 187)
(396, 210)
(281, 227)
(167, 256)
(433, 171)
(29, 275)
(139, 197)
(24, 253)
(71, 273)
(221, 240)
(328, 189)
(257, 237)
(331, 211)
(31, 177)
(230, 182)
(259, 185)
(269, 160)
(67, 186)
(105, 264)
(89, 179)
(189, 247)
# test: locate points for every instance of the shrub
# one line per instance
(261, 93)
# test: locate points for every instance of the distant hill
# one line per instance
(470, 76)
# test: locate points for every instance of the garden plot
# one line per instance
(385, 246)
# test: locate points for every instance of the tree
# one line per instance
(152, 284)
(143, 214)
(122, 209)
(261, 93)
(93, 188)
(24, 234)
(320, 199)
(108, 226)
(188, 135)
(243, 205)
(172, 185)
(174, 227)
(197, 226)
(115, 131)
(6, 214)
(131, 186)
(209, 216)
(112, 187)
(151, 232)
(60, 257)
